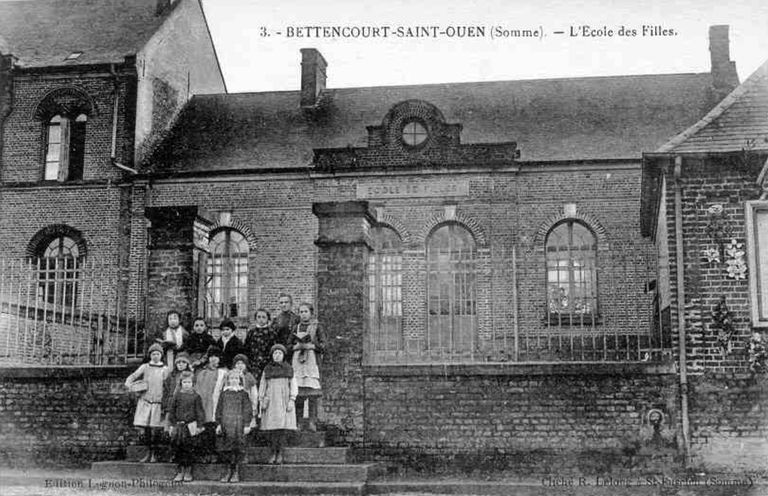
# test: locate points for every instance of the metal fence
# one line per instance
(514, 318)
(65, 311)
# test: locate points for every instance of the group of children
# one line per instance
(209, 387)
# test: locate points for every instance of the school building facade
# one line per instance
(478, 253)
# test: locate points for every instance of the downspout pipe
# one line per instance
(115, 108)
(683, 366)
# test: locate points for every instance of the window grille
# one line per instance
(451, 292)
(571, 250)
(227, 276)
(385, 290)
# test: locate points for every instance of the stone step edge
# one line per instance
(174, 465)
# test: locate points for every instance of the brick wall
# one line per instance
(728, 423)
(730, 184)
(728, 405)
(506, 421)
(177, 62)
(507, 211)
(23, 156)
(64, 416)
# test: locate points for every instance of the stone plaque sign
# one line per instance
(412, 189)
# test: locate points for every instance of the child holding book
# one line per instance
(186, 416)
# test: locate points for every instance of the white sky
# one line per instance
(254, 63)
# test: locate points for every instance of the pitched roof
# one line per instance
(42, 33)
(739, 122)
(552, 119)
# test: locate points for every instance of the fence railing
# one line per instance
(65, 311)
(612, 317)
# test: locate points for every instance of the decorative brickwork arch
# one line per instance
(460, 218)
(587, 219)
(396, 225)
(231, 222)
(68, 101)
(39, 241)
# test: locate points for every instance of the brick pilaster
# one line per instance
(342, 302)
(177, 251)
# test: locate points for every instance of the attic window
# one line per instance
(73, 56)
(414, 133)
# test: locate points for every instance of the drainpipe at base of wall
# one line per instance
(683, 366)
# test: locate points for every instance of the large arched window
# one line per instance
(571, 250)
(65, 148)
(451, 292)
(385, 289)
(227, 275)
(57, 266)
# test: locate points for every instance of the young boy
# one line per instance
(184, 416)
(285, 321)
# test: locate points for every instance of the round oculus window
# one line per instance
(414, 133)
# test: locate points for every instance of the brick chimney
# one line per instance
(724, 77)
(312, 76)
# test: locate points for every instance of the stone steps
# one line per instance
(261, 454)
(289, 473)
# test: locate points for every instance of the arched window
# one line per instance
(451, 293)
(571, 273)
(227, 275)
(65, 148)
(385, 289)
(58, 266)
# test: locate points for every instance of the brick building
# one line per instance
(704, 207)
(86, 93)
(473, 250)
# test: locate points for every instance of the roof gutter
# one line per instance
(113, 153)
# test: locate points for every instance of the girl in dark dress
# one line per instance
(198, 343)
(259, 341)
(186, 416)
(233, 414)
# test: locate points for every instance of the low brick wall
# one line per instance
(532, 419)
(729, 423)
(64, 415)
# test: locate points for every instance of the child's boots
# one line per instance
(188, 473)
(179, 475)
(235, 474)
(312, 423)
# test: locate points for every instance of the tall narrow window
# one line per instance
(571, 273)
(385, 290)
(227, 276)
(451, 294)
(58, 272)
(53, 152)
(76, 148)
(65, 148)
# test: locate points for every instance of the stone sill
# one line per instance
(521, 369)
(67, 372)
